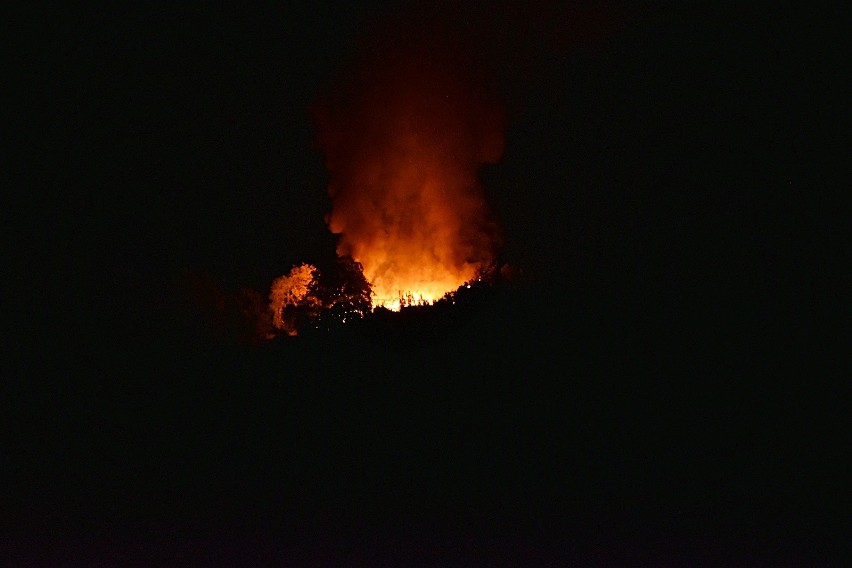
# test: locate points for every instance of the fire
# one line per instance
(403, 153)
(409, 230)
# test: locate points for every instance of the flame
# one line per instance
(403, 147)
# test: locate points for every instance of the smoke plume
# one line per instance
(404, 134)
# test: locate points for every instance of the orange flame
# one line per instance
(403, 154)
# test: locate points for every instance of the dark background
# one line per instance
(660, 385)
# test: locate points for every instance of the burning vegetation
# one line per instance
(404, 133)
(313, 299)
(308, 298)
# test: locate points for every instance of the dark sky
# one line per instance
(662, 191)
(644, 142)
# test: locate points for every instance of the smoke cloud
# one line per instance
(404, 134)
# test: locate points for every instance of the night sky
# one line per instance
(647, 390)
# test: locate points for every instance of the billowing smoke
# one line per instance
(404, 135)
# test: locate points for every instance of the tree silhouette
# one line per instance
(342, 291)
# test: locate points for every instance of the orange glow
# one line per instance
(403, 154)
(288, 292)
